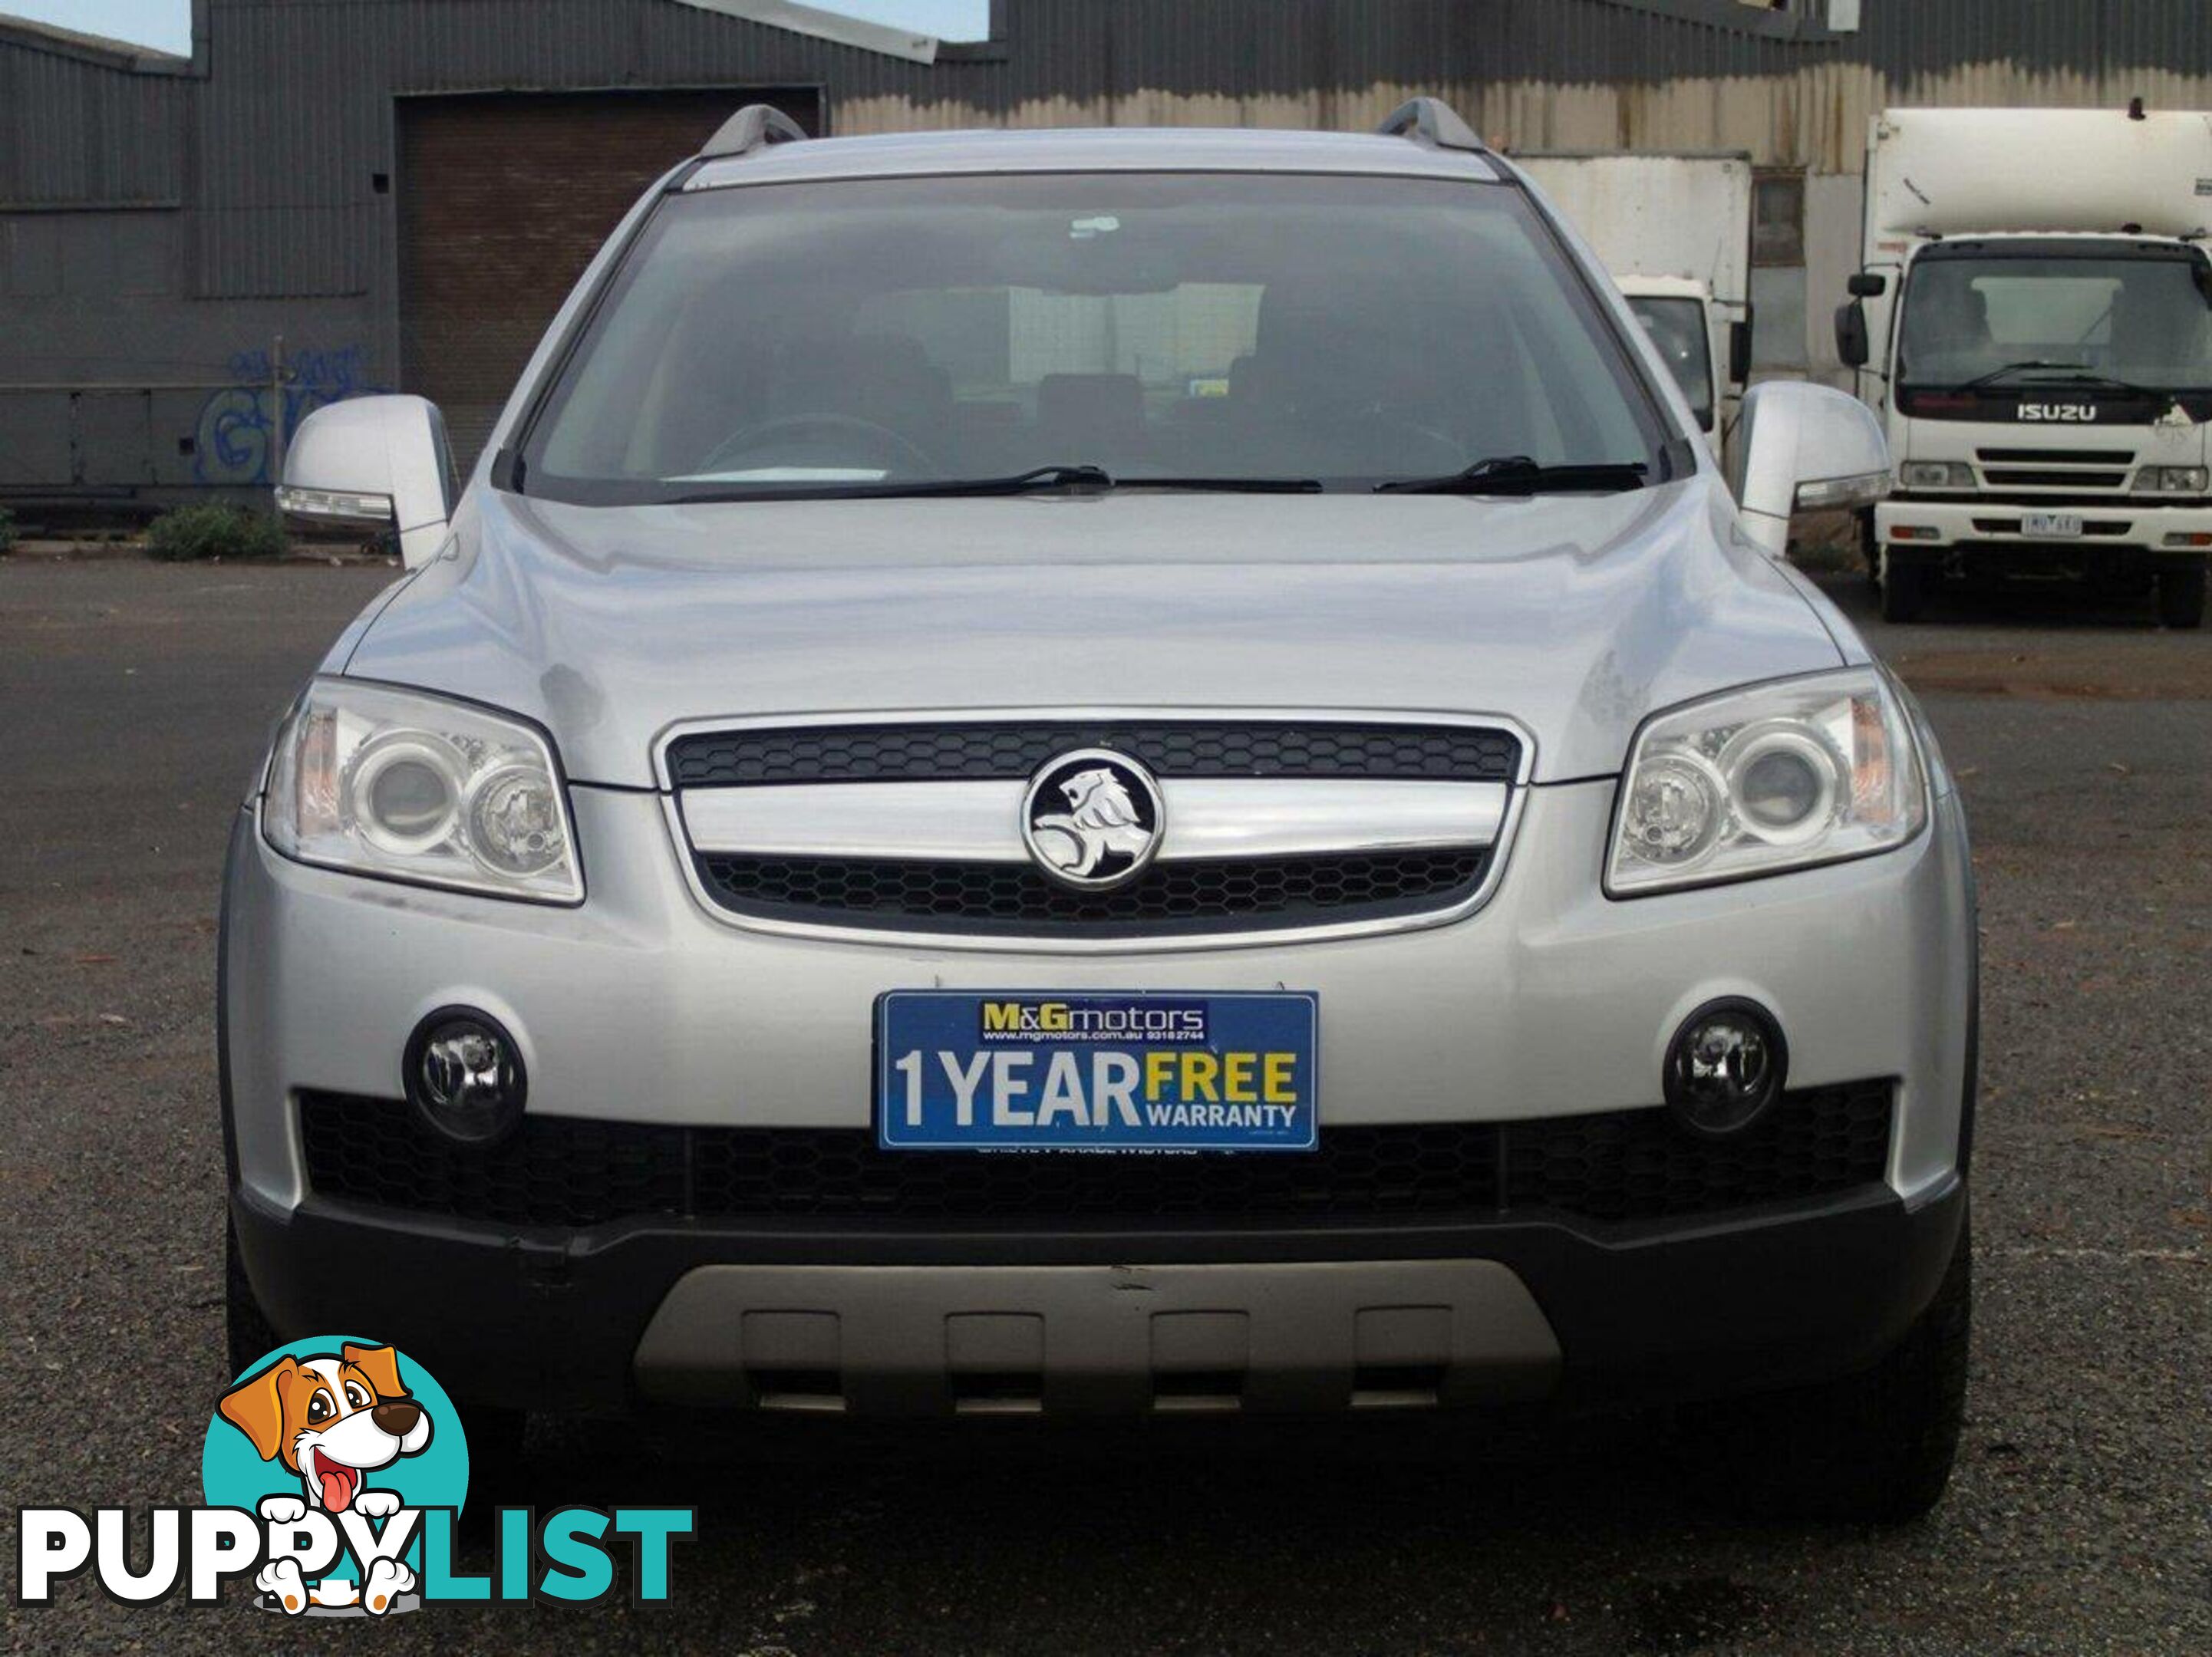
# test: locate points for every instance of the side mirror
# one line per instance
(1852, 345)
(1739, 352)
(1803, 447)
(1866, 284)
(376, 462)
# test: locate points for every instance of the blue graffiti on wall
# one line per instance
(233, 441)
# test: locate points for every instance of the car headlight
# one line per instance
(2174, 480)
(412, 786)
(1936, 475)
(1779, 776)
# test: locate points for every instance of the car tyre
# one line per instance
(1904, 586)
(247, 1334)
(1877, 1447)
(2181, 595)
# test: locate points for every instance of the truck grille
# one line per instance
(2121, 458)
(2045, 478)
(2095, 470)
(1617, 1167)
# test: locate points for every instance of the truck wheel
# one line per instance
(246, 1333)
(1870, 550)
(1904, 588)
(1876, 1447)
(2181, 594)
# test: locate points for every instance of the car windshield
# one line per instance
(1339, 331)
(2142, 321)
(1677, 327)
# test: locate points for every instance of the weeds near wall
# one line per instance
(191, 534)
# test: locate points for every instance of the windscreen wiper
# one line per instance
(2076, 375)
(2068, 373)
(1037, 480)
(1517, 474)
(2012, 368)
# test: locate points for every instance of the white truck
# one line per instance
(2032, 320)
(1674, 231)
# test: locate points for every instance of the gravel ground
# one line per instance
(133, 701)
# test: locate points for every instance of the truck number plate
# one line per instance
(2052, 525)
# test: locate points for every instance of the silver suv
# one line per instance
(1110, 772)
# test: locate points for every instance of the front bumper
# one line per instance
(638, 1007)
(2109, 524)
(1108, 1322)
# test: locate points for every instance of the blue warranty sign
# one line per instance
(1022, 1071)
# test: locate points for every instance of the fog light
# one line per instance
(466, 1075)
(1914, 532)
(1724, 1067)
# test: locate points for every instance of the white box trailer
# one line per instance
(1675, 229)
(2032, 320)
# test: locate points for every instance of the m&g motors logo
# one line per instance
(1097, 1018)
(334, 1473)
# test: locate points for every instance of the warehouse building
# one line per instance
(329, 197)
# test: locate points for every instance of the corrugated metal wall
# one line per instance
(77, 132)
(247, 202)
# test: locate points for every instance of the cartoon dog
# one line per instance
(331, 1420)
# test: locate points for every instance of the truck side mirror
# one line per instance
(1866, 284)
(1739, 352)
(374, 462)
(1851, 334)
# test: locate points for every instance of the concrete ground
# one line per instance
(133, 699)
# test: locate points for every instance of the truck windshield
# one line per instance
(1304, 330)
(2141, 320)
(1677, 327)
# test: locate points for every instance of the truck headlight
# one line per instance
(411, 787)
(1936, 475)
(2174, 480)
(1753, 782)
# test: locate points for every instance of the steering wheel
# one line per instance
(884, 443)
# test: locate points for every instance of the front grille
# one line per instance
(2060, 457)
(1619, 1166)
(2029, 477)
(1017, 750)
(994, 899)
(1016, 899)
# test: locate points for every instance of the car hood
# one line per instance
(1575, 615)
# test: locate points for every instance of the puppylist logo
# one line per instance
(334, 1471)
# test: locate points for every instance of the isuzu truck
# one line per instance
(2033, 320)
(1674, 232)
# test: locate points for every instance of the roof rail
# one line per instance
(754, 127)
(1433, 121)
